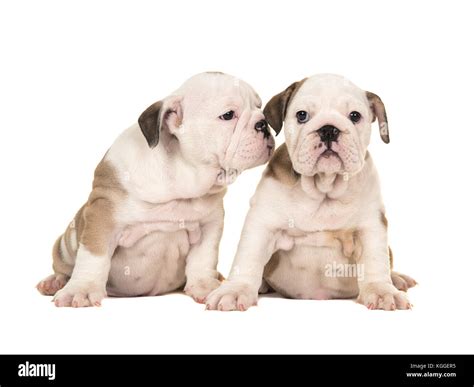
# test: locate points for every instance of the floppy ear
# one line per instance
(378, 110)
(160, 120)
(275, 109)
(150, 123)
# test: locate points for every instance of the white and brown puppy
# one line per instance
(316, 228)
(154, 219)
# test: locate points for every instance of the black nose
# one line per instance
(328, 134)
(262, 126)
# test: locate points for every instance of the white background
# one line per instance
(75, 74)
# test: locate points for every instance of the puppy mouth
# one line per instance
(328, 153)
(329, 161)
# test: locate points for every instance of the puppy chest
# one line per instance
(132, 234)
(174, 216)
(177, 211)
(328, 215)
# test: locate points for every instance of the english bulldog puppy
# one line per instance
(154, 218)
(316, 228)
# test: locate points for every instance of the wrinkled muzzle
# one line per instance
(251, 145)
(330, 145)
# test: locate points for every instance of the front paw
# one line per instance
(382, 295)
(232, 296)
(200, 288)
(80, 294)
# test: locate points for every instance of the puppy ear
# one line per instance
(150, 123)
(275, 109)
(160, 120)
(378, 110)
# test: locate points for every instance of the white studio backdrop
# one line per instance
(74, 74)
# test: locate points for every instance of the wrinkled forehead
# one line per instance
(331, 90)
(215, 92)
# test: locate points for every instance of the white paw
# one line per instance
(200, 288)
(402, 281)
(232, 296)
(80, 294)
(382, 295)
(51, 284)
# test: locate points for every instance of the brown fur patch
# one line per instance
(390, 254)
(378, 111)
(350, 243)
(98, 213)
(275, 109)
(94, 223)
(281, 168)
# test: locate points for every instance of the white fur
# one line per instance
(168, 227)
(87, 284)
(323, 199)
(65, 252)
(73, 240)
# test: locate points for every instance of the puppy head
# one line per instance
(213, 119)
(327, 123)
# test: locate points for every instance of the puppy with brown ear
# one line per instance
(154, 218)
(316, 228)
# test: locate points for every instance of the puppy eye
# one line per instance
(227, 116)
(302, 116)
(355, 117)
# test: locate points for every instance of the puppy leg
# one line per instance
(256, 246)
(92, 264)
(376, 290)
(62, 270)
(202, 276)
